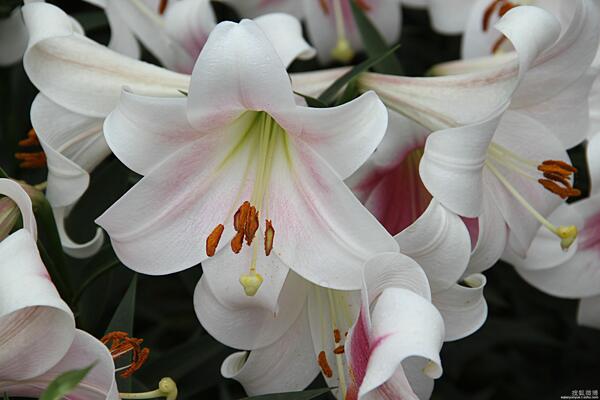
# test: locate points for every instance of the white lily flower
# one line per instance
(377, 343)
(576, 273)
(13, 38)
(330, 23)
(240, 142)
(390, 187)
(37, 329)
(80, 83)
(450, 17)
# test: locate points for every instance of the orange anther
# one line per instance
(32, 139)
(269, 237)
(487, 14)
(337, 335)
(563, 192)
(322, 361)
(339, 350)
(498, 43)
(506, 7)
(31, 160)
(561, 165)
(324, 6)
(212, 241)
(237, 242)
(119, 344)
(363, 5)
(240, 217)
(251, 225)
(162, 6)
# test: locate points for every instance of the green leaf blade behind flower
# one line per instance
(374, 43)
(64, 384)
(305, 395)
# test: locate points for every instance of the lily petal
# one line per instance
(439, 242)
(463, 307)
(99, 384)
(249, 327)
(238, 70)
(285, 33)
(122, 40)
(589, 312)
(14, 38)
(450, 16)
(286, 365)
(345, 136)
(67, 66)
(593, 151)
(453, 162)
(142, 141)
(255, 8)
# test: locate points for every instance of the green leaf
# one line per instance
(329, 95)
(6, 396)
(64, 383)
(374, 43)
(122, 320)
(305, 395)
(311, 101)
(3, 173)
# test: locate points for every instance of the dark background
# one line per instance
(529, 348)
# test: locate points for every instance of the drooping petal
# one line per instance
(453, 163)
(326, 234)
(489, 237)
(30, 306)
(161, 225)
(68, 68)
(404, 326)
(238, 70)
(588, 313)
(85, 350)
(345, 136)
(463, 307)
(14, 38)
(439, 242)
(188, 23)
(249, 327)
(74, 249)
(313, 83)
(450, 16)
(285, 366)
(141, 140)
(285, 34)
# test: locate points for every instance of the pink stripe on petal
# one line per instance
(590, 234)
(472, 225)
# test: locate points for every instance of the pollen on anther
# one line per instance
(322, 360)
(212, 241)
(339, 350)
(251, 225)
(269, 237)
(337, 335)
(237, 242)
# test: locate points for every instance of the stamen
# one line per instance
(162, 6)
(237, 242)
(269, 237)
(557, 166)
(506, 7)
(557, 173)
(32, 139)
(325, 368)
(212, 241)
(120, 343)
(487, 15)
(498, 43)
(363, 5)
(324, 6)
(339, 350)
(240, 217)
(31, 160)
(562, 192)
(337, 335)
(251, 225)
(343, 51)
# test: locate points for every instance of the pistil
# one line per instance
(166, 388)
(342, 51)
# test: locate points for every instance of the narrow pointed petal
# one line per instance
(31, 314)
(284, 366)
(161, 225)
(320, 221)
(404, 325)
(238, 70)
(85, 350)
(453, 163)
(285, 33)
(249, 327)
(489, 237)
(314, 83)
(67, 67)
(14, 38)
(439, 242)
(450, 16)
(345, 136)
(589, 312)
(139, 139)
(463, 307)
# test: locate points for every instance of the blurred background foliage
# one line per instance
(529, 348)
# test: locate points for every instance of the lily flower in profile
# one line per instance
(80, 82)
(241, 178)
(380, 342)
(37, 329)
